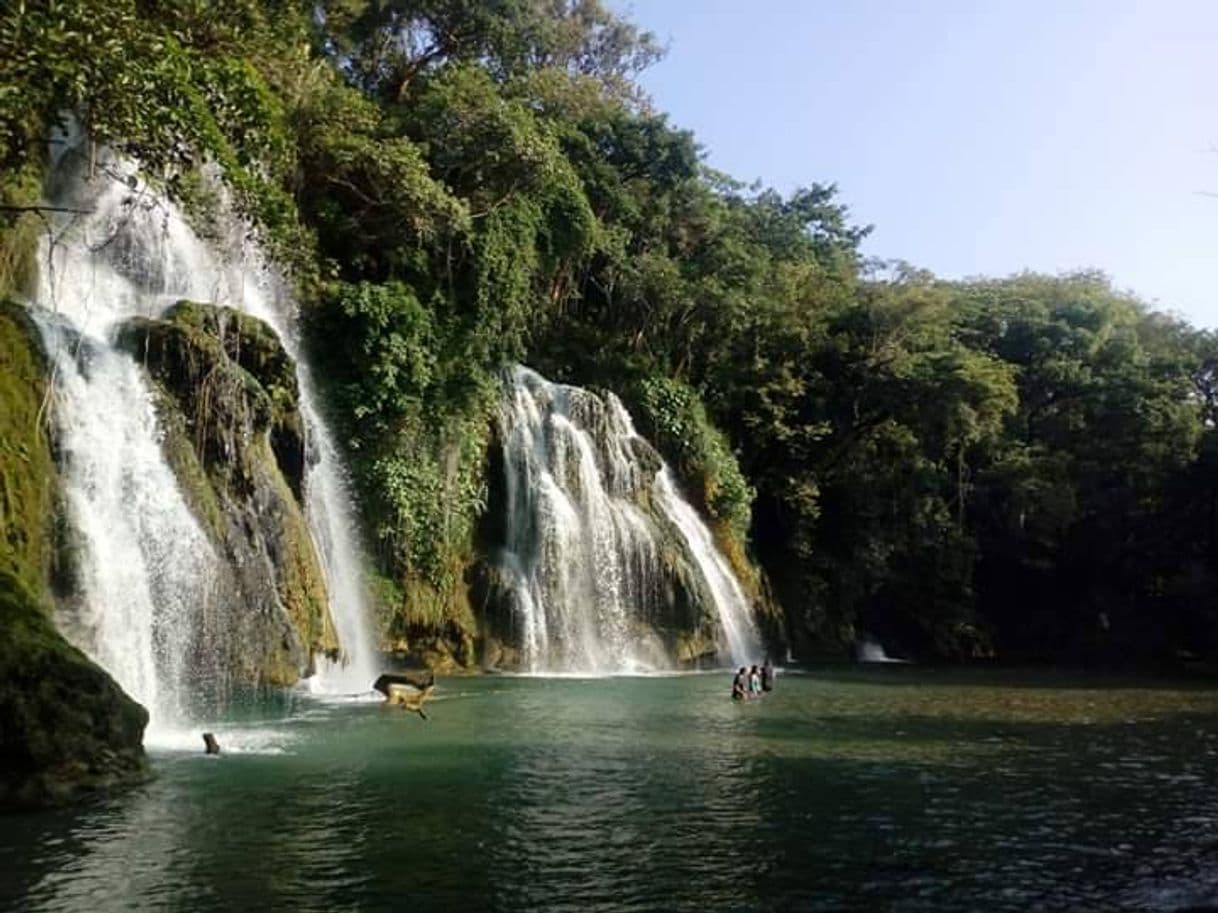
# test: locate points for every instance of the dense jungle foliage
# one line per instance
(1025, 466)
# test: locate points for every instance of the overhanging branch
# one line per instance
(79, 212)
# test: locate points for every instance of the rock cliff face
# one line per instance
(66, 728)
(235, 437)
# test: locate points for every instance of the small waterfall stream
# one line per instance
(739, 632)
(145, 564)
(591, 513)
(869, 650)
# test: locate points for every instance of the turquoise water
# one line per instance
(885, 789)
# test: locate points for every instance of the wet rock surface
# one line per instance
(235, 437)
(66, 728)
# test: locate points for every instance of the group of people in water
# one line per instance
(753, 682)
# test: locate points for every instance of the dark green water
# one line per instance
(890, 789)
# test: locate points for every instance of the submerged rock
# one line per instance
(234, 435)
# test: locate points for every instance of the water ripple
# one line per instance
(643, 794)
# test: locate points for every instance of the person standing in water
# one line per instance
(767, 676)
(738, 685)
(754, 683)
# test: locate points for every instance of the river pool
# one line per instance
(883, 788)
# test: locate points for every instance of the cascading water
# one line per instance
(257, 291)
(145, 565)
(869, 650)
(592, 521)
(144, 568)
(738, 630)
(330, 519)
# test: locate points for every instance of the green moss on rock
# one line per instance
(230, 373)
(234, 435)
(673, 417)
(430, 626)
(19, 228)
(299, 580)
(66, 728)
(27, 473)
(180, 453)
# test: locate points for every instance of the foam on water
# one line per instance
(319, 689)
(233, 740)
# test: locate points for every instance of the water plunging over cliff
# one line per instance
(143, 566)
(146, 569)
(598, 538)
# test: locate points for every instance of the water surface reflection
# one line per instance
(912, 791)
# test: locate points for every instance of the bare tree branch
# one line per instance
(79, 212)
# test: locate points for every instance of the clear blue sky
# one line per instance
(980, 138)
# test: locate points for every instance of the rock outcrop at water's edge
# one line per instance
(66, 728)
(234, 435)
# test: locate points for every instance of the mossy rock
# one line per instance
(231, 375)
(693, 647)
(20, 229)
(27, 472)
(228, 405)
(428, 627)
(66, 728)
(254, 347)
(452, 652)
(672, 416)
(497, 656)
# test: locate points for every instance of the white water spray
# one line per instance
(586, 560)
(145, 566)
(870, 650)
(738, 629)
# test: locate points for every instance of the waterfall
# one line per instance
(738, 629)
(145, 566)
(331, 520)
(594, 523)
(869, 650)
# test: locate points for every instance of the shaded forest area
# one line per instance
(1022, 467)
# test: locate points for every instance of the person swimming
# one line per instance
(754, 683)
